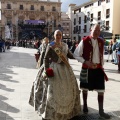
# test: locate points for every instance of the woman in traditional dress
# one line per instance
(57, 96)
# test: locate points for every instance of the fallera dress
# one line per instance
(57, 97)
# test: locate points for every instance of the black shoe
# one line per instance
(106, 60)
(104, 116)
(85, 110)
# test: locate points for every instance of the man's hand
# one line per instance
(89, 64)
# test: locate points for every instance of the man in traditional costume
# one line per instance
(92, 77)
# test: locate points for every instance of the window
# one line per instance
(88, 5)
(107, 13)
(85, 28)
(107, 1)
(53, 9)
(79, 29)
(76, 29)
(79, 38)
(74, 11)
(91, 17)
(107, 25)
(74, 21)
(67, 24)
(21, 7)
(79, 9)
(99, 2)
(42, 8)
(85, 18)
(79, 20)
(8, 6)
(32, 7)
(99, 15)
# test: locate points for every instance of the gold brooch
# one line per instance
(57, 50)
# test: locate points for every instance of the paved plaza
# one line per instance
(17, 73)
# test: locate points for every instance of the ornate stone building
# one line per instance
(15, 12)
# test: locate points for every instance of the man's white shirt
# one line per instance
(79, 52)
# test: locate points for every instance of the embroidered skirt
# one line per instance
(57, 98)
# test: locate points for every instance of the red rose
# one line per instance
(49, 72)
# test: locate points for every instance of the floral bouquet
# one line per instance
(48, 73)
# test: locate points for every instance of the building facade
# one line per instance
(15, 13)
(0, 21)
(104, 12)
(65, 26)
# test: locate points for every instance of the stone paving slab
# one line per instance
(17, 73)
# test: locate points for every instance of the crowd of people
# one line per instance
(4, 44)
(55, 93)
(112, 49)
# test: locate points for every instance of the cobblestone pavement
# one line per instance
(17, 73)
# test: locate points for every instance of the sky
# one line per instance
(65, 3)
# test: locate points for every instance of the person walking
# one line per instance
(118, 55)
(90, 53)
(41, 51)
(115, 51)
(58, 98)
(110, 51)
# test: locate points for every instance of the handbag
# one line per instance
(84, 75)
